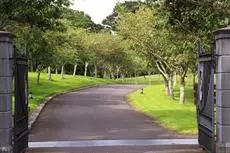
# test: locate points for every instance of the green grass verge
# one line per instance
(169, 113)
(143, 80)
(57, 85)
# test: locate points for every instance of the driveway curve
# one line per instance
(98, 113)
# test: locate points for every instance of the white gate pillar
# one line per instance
(222, 38)
(6, 77)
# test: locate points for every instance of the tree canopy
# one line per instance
(149, 35)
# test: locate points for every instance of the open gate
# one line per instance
(20, 130)
(205, 101)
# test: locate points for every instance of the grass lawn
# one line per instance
(169, 113)
(153, 79)
(57, 85)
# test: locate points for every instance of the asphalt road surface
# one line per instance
(99, 120)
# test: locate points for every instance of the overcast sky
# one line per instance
(97, 9)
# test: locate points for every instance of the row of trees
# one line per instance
(138, 37)
(56, 37)
(165, 33)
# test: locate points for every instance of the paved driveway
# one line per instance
(101, 113)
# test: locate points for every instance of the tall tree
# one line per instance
(152, 40)
(128, 6)
(42, 13)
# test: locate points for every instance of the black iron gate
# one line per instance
(20, 136)
(205, 103)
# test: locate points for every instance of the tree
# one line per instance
(41, 51)
(128, 6)
(152, 40)
(63, 49)
(78, 19)
(77, 43)
(42, 13)
(199, 18)
(25, 18)
(104, 49)
(193, 21)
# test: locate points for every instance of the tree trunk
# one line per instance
(95, 70)
(166, 86)
(1, 27)
(75, 69)
(174, 80)
(168, 79)
(104, 74)
(135, 75)
(149, 74)
(62, 72)
(112, 75)
(38, 77)
(56, 70)
(182, 89)
(118, 70)
(31, 66)
(170, 84)
(123, 77)
(194, 78)
(86, 67)
(49, 73)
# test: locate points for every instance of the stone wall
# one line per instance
(6, 77)
(222, 37)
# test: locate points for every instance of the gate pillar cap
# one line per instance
(223, 33)
(5, 36)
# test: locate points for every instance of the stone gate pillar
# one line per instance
(222, 38)
(6, 77)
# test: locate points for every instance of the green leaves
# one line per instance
(40, 13)
(199, 18)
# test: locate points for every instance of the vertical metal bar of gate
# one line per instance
(205, 105)
(20, 139)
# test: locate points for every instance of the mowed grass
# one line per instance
(143, 80)
(57, 85)
(169, 113)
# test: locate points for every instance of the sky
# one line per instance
(97, 9)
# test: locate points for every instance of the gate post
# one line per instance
(6, 77)
(222, 38)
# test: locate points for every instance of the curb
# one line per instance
(36, 113)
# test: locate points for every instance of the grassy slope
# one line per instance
(155, 103)
(47, 88)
